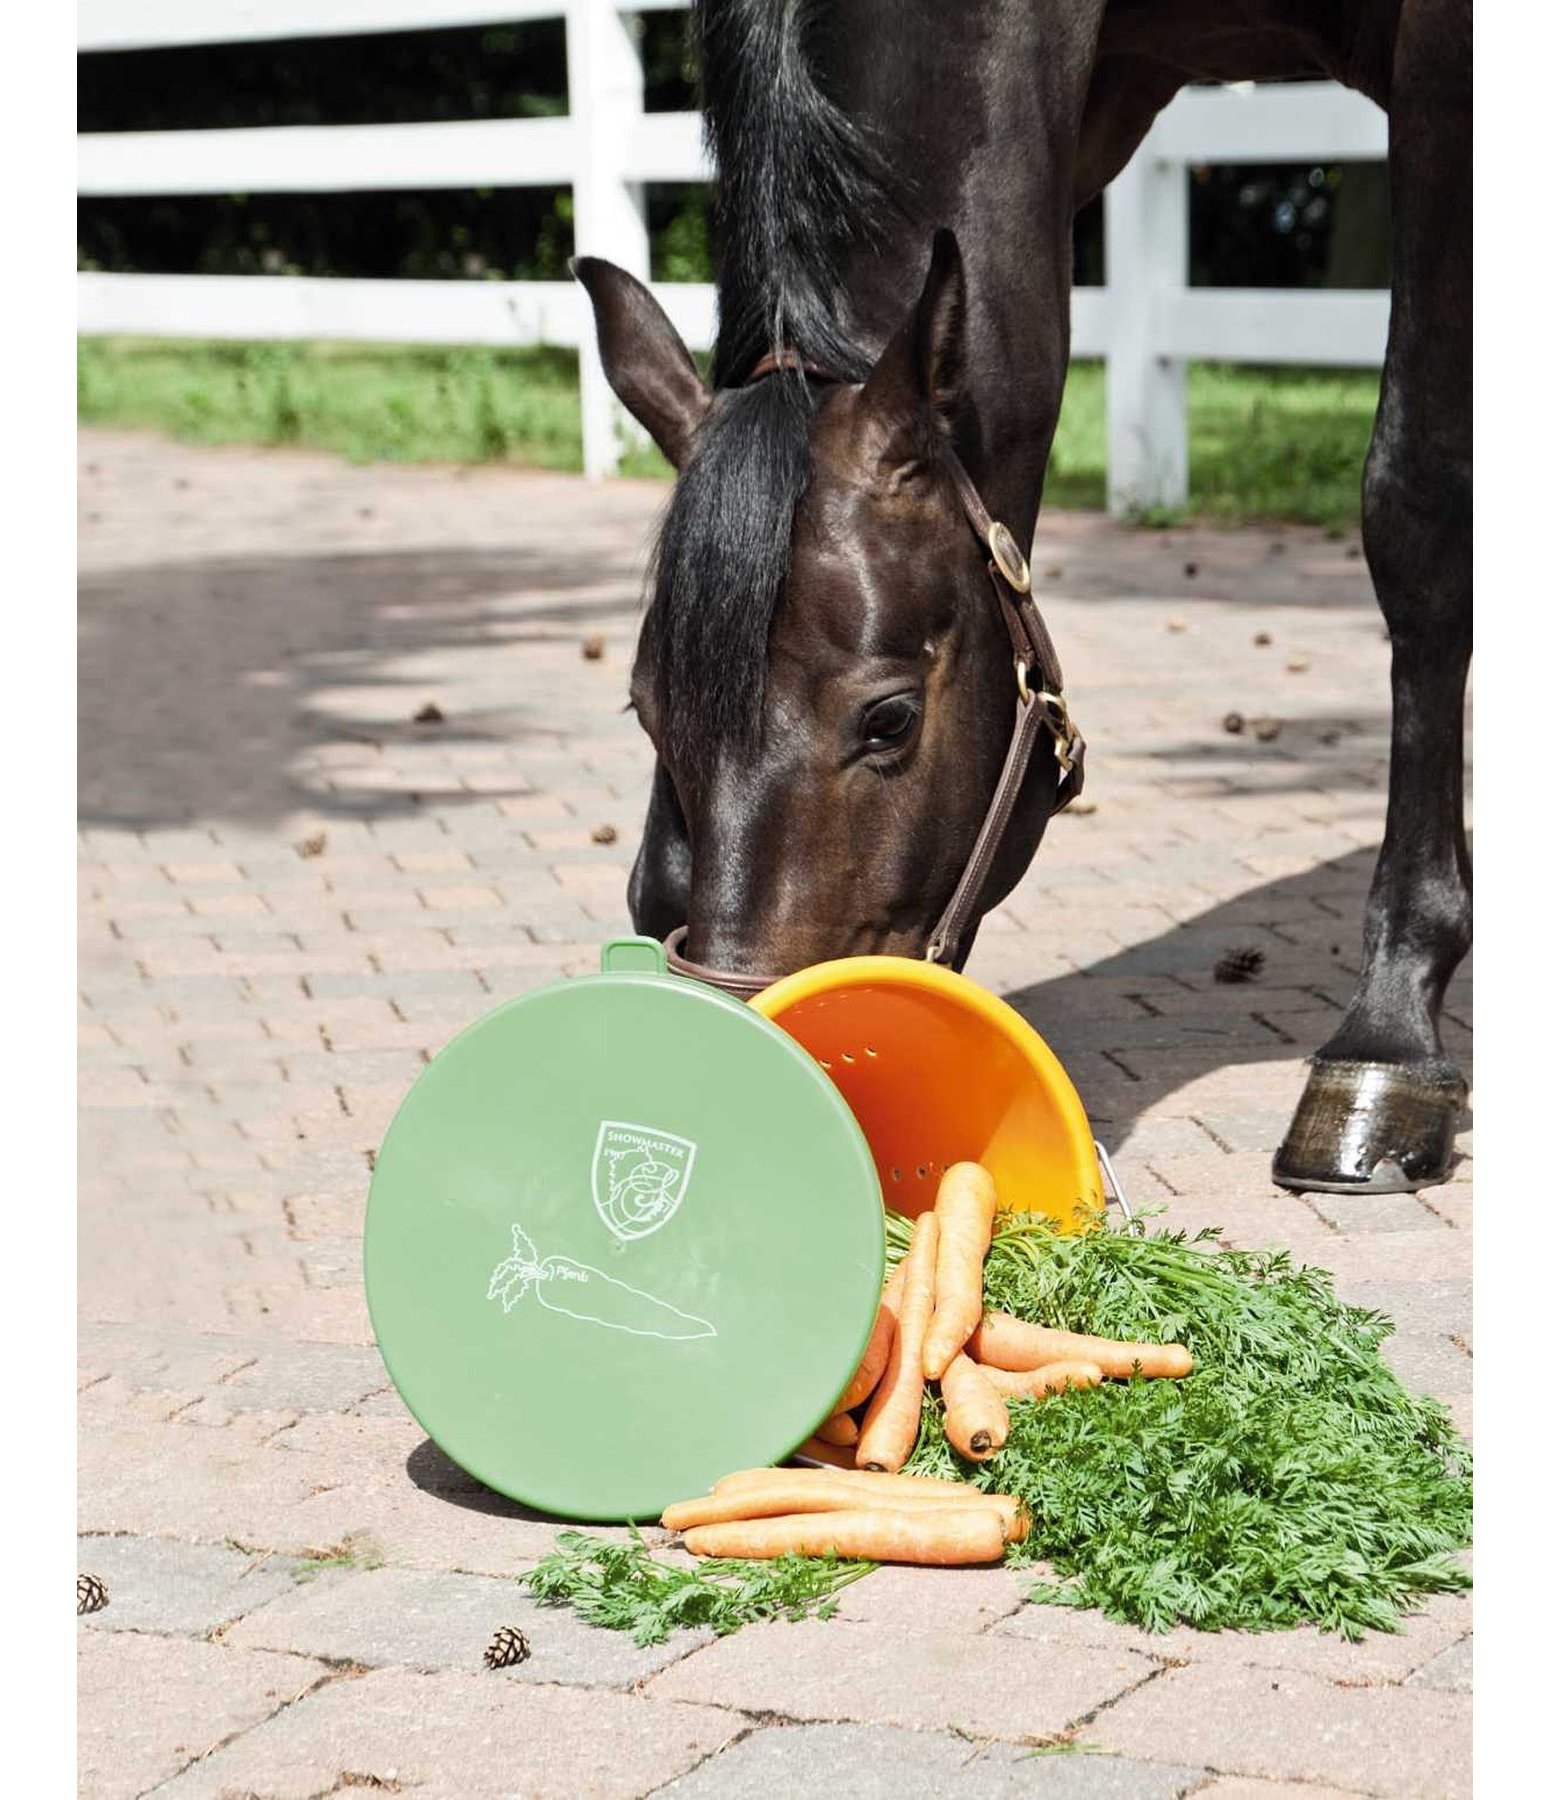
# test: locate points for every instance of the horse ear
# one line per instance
(916, 388)
(647, 363)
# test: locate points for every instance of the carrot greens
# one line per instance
(620, 1584)
(1290, 1479)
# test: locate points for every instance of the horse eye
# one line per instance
(887, 724)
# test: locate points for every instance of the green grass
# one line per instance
(1264, 443)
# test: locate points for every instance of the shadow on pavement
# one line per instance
(202, 684)
(434, 1472)
(1163, 1019)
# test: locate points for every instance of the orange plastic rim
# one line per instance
(937, 1070)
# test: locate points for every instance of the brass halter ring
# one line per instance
(1008, 558)
(1055, 711)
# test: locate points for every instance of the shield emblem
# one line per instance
(639, 1177)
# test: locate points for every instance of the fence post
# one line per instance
(607, 91)
(1146, 257)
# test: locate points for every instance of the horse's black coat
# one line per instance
(813, 574)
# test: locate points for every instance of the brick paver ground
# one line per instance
(294, 890)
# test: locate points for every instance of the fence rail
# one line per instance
(1147, 322)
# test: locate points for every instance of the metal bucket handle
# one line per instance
(1111, 1181)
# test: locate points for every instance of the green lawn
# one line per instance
(1264, 443)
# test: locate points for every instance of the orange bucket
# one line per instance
(937, 1071)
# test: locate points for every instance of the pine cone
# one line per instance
(91, 1594)
(1239, 965)
(508, 1646)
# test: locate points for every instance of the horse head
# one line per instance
(823, 668)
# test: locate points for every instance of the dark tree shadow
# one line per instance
(201, 684)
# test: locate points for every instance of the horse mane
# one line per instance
(799, 184)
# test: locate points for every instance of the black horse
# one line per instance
(821, 668)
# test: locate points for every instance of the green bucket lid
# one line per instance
(624, 1236)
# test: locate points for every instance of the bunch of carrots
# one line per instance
(931, 1326)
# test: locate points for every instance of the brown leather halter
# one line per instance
(1041, 705)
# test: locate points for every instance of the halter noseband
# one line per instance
(1041, 705)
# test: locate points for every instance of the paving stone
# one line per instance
(1453, 1671)
(168, 1361)
(229, 1389)
(1429, 1255)
(932, 1599)
(308, 1377)
(1277, 1724)
(147, 1707)
(162, 1584)
(430, 1620)
(882, 1762)
(1428, 1364)
(867, 1673)
(1440, 1307)
(1245, 1787)
(1376, 1658)
(455, 1736)
(1374, 1212)
(1260, 1131)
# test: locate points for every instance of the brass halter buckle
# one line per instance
(1008, 558)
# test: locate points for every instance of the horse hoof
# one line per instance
(1370, 1128)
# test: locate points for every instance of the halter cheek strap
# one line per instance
(1041, 706)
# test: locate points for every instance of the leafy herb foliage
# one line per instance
(1290, 1478)
(619, 1584)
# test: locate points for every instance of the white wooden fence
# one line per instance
(1148, 323)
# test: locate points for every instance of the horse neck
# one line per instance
(979, 113)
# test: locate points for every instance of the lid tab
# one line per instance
(633, 956)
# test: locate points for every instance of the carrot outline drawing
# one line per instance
(595, 1298)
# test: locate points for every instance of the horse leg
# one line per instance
(1382, 1100)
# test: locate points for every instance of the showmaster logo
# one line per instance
(639, 1177)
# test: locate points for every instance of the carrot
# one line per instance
(874, 1359)
(976, 1419)
(966, 1213)
(839, 1429)
(1038, 1384)
(781, 1497)
(1008, 1343)
(841, 1458)
(866, 1481)
(893, 1414)
(943, 1537)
